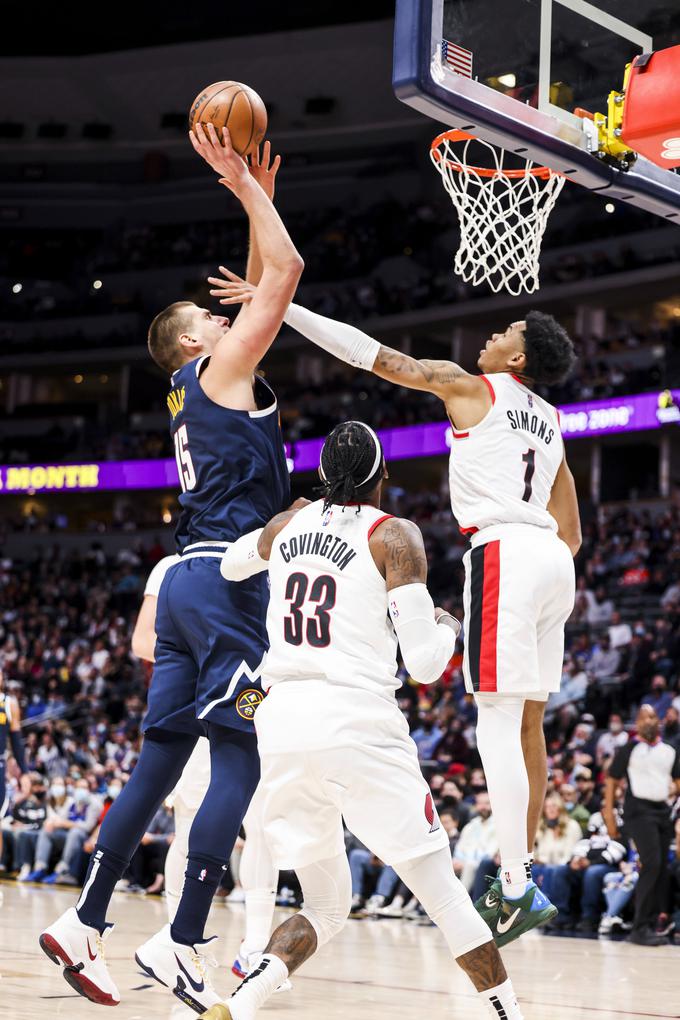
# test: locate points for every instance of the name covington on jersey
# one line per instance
(318, 543)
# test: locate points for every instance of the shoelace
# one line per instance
(100, 946)
(200, 962)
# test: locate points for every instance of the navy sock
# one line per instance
(201, 880)
(234, 774)
(105, 869)
(161, 761)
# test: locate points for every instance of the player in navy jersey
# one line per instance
(211, 636)
(10, 729)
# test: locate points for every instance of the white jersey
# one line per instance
(328, 609)
(502, 470)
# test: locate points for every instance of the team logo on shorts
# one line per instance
(247, 702)
(430, 814)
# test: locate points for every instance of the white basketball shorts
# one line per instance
(376, 786)
(519, 593)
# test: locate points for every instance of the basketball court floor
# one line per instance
(378, 969)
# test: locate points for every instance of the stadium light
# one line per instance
(17, 288)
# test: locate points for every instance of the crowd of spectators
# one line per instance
(65, 624)
(361, 262)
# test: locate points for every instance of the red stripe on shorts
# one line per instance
(488, 674)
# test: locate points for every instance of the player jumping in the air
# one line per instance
(211, 636)
(514, 495)
(348, 581)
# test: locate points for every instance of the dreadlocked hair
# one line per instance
(347, 464)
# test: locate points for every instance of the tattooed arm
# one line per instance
(427, 636)
(444, 378)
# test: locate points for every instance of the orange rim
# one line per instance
(544, 172)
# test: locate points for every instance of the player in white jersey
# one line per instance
(258, 874)
(347, 583)
(513, 493)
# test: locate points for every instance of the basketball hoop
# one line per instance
(503, 213)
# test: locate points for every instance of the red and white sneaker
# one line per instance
(180, 968)
(80, 949)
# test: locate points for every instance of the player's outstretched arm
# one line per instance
(242, 348)
(446, 379)
(427, 636)
(264, 170)
(563, 506)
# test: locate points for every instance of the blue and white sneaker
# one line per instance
(516, 916)
(182, 969)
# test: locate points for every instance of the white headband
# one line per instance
(378, 453)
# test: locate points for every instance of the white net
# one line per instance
(503, 213)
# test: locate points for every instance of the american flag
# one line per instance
(458, 59)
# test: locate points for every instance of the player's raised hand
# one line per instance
(220, 155)
(263, 169)
(231, 290)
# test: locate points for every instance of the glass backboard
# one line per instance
(514, 71)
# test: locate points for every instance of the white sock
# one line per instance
(515, 873)
(260, 905)
(501, 1002)
(254, 990)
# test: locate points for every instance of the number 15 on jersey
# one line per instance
(185, 465)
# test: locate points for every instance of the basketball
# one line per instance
(235, 106)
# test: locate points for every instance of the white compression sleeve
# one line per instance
(242, 560)
(345, 342)
(426, 646)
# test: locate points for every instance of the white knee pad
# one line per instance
(327, 891)
(432, 881)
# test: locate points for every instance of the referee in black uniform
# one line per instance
(650, 766)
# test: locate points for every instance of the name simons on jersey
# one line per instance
(531, 423)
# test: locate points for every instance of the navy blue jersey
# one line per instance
(231, 464)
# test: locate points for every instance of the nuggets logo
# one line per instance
(247, 702)
(430, 814)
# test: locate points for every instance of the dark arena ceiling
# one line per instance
(49, 29)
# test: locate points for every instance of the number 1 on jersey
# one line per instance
(185, 465)
(529, 459)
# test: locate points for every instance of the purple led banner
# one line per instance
(590, 418)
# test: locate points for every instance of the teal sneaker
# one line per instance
(488, 905)
(517, 916)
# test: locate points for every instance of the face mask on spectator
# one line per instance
(569, 805)
(615, 727)
(57, 790)
(113, 790)
(80, 795)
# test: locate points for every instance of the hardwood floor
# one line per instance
(374, 970)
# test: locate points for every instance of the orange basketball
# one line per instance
(235, 106)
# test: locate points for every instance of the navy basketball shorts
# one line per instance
(211, 638)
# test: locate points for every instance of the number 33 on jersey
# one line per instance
(502, 470)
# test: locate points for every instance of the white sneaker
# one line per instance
(80, 949)
(180, 968)
(374, 904)
(237, 895)
(24, 872)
